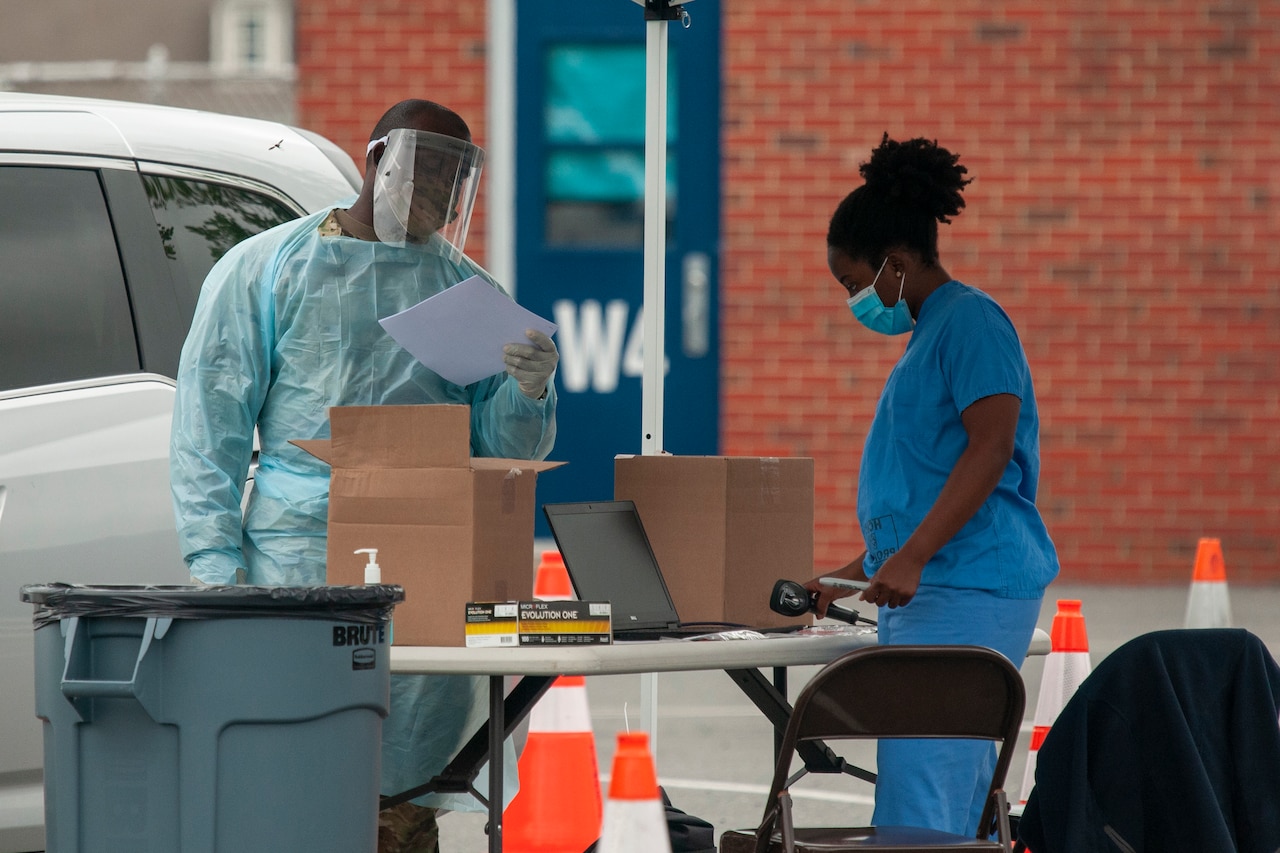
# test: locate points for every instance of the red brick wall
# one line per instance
(356, 58)
(1125, 211)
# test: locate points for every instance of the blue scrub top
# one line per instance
(963, 348)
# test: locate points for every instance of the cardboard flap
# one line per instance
(426, 436)
(485, 463)
(423, 436)
(318, 447)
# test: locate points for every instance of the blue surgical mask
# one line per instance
(871, 312)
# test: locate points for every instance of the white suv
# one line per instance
(111, 214)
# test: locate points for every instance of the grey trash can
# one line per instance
(186, 719)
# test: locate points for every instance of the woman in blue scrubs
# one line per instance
(956, 551)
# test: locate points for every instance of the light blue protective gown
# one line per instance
(287, 326)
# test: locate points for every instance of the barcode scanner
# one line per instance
(791, 599)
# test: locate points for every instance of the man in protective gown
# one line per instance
(287, 326)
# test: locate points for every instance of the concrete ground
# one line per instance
(714, 748)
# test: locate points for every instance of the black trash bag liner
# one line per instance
(367, 604)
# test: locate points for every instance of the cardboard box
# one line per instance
(724, 529)
(448, 527)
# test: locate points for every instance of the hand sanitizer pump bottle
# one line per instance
(373, 574)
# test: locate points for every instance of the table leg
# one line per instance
(460, 775)
(779, 684)
(497, 730)
(818, 757)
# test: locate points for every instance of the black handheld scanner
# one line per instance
(791, 599)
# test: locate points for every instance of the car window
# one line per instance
(64, 309)
(199, 221)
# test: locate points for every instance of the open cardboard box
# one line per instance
(449, 527)
(724, 529)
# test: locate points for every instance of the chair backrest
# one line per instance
(911, 691)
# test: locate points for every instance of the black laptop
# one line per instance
(609, 558)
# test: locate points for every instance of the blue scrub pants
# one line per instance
(940, 784)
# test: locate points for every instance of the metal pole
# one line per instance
(655, 233)
(657, 14)
(500, 157)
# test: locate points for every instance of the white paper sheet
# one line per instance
(460, 332)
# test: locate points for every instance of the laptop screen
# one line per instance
(608, 557)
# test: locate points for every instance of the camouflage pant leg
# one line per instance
(408, 828)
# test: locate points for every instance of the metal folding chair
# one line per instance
(895, 692)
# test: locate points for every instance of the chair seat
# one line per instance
(898, 839)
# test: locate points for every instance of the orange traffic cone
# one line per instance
(552, 583)
(634, 817)
(1208, 604)
(557, 809)
(1067, 665)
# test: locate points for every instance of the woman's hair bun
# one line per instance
(917, 173)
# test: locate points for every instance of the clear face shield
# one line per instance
(426, 185)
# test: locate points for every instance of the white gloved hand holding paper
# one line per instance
(532, 364)
(464, 334)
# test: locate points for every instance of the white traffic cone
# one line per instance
(635, 819)
(1208, 603)
(1067, 665)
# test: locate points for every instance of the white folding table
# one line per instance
(538, 666)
